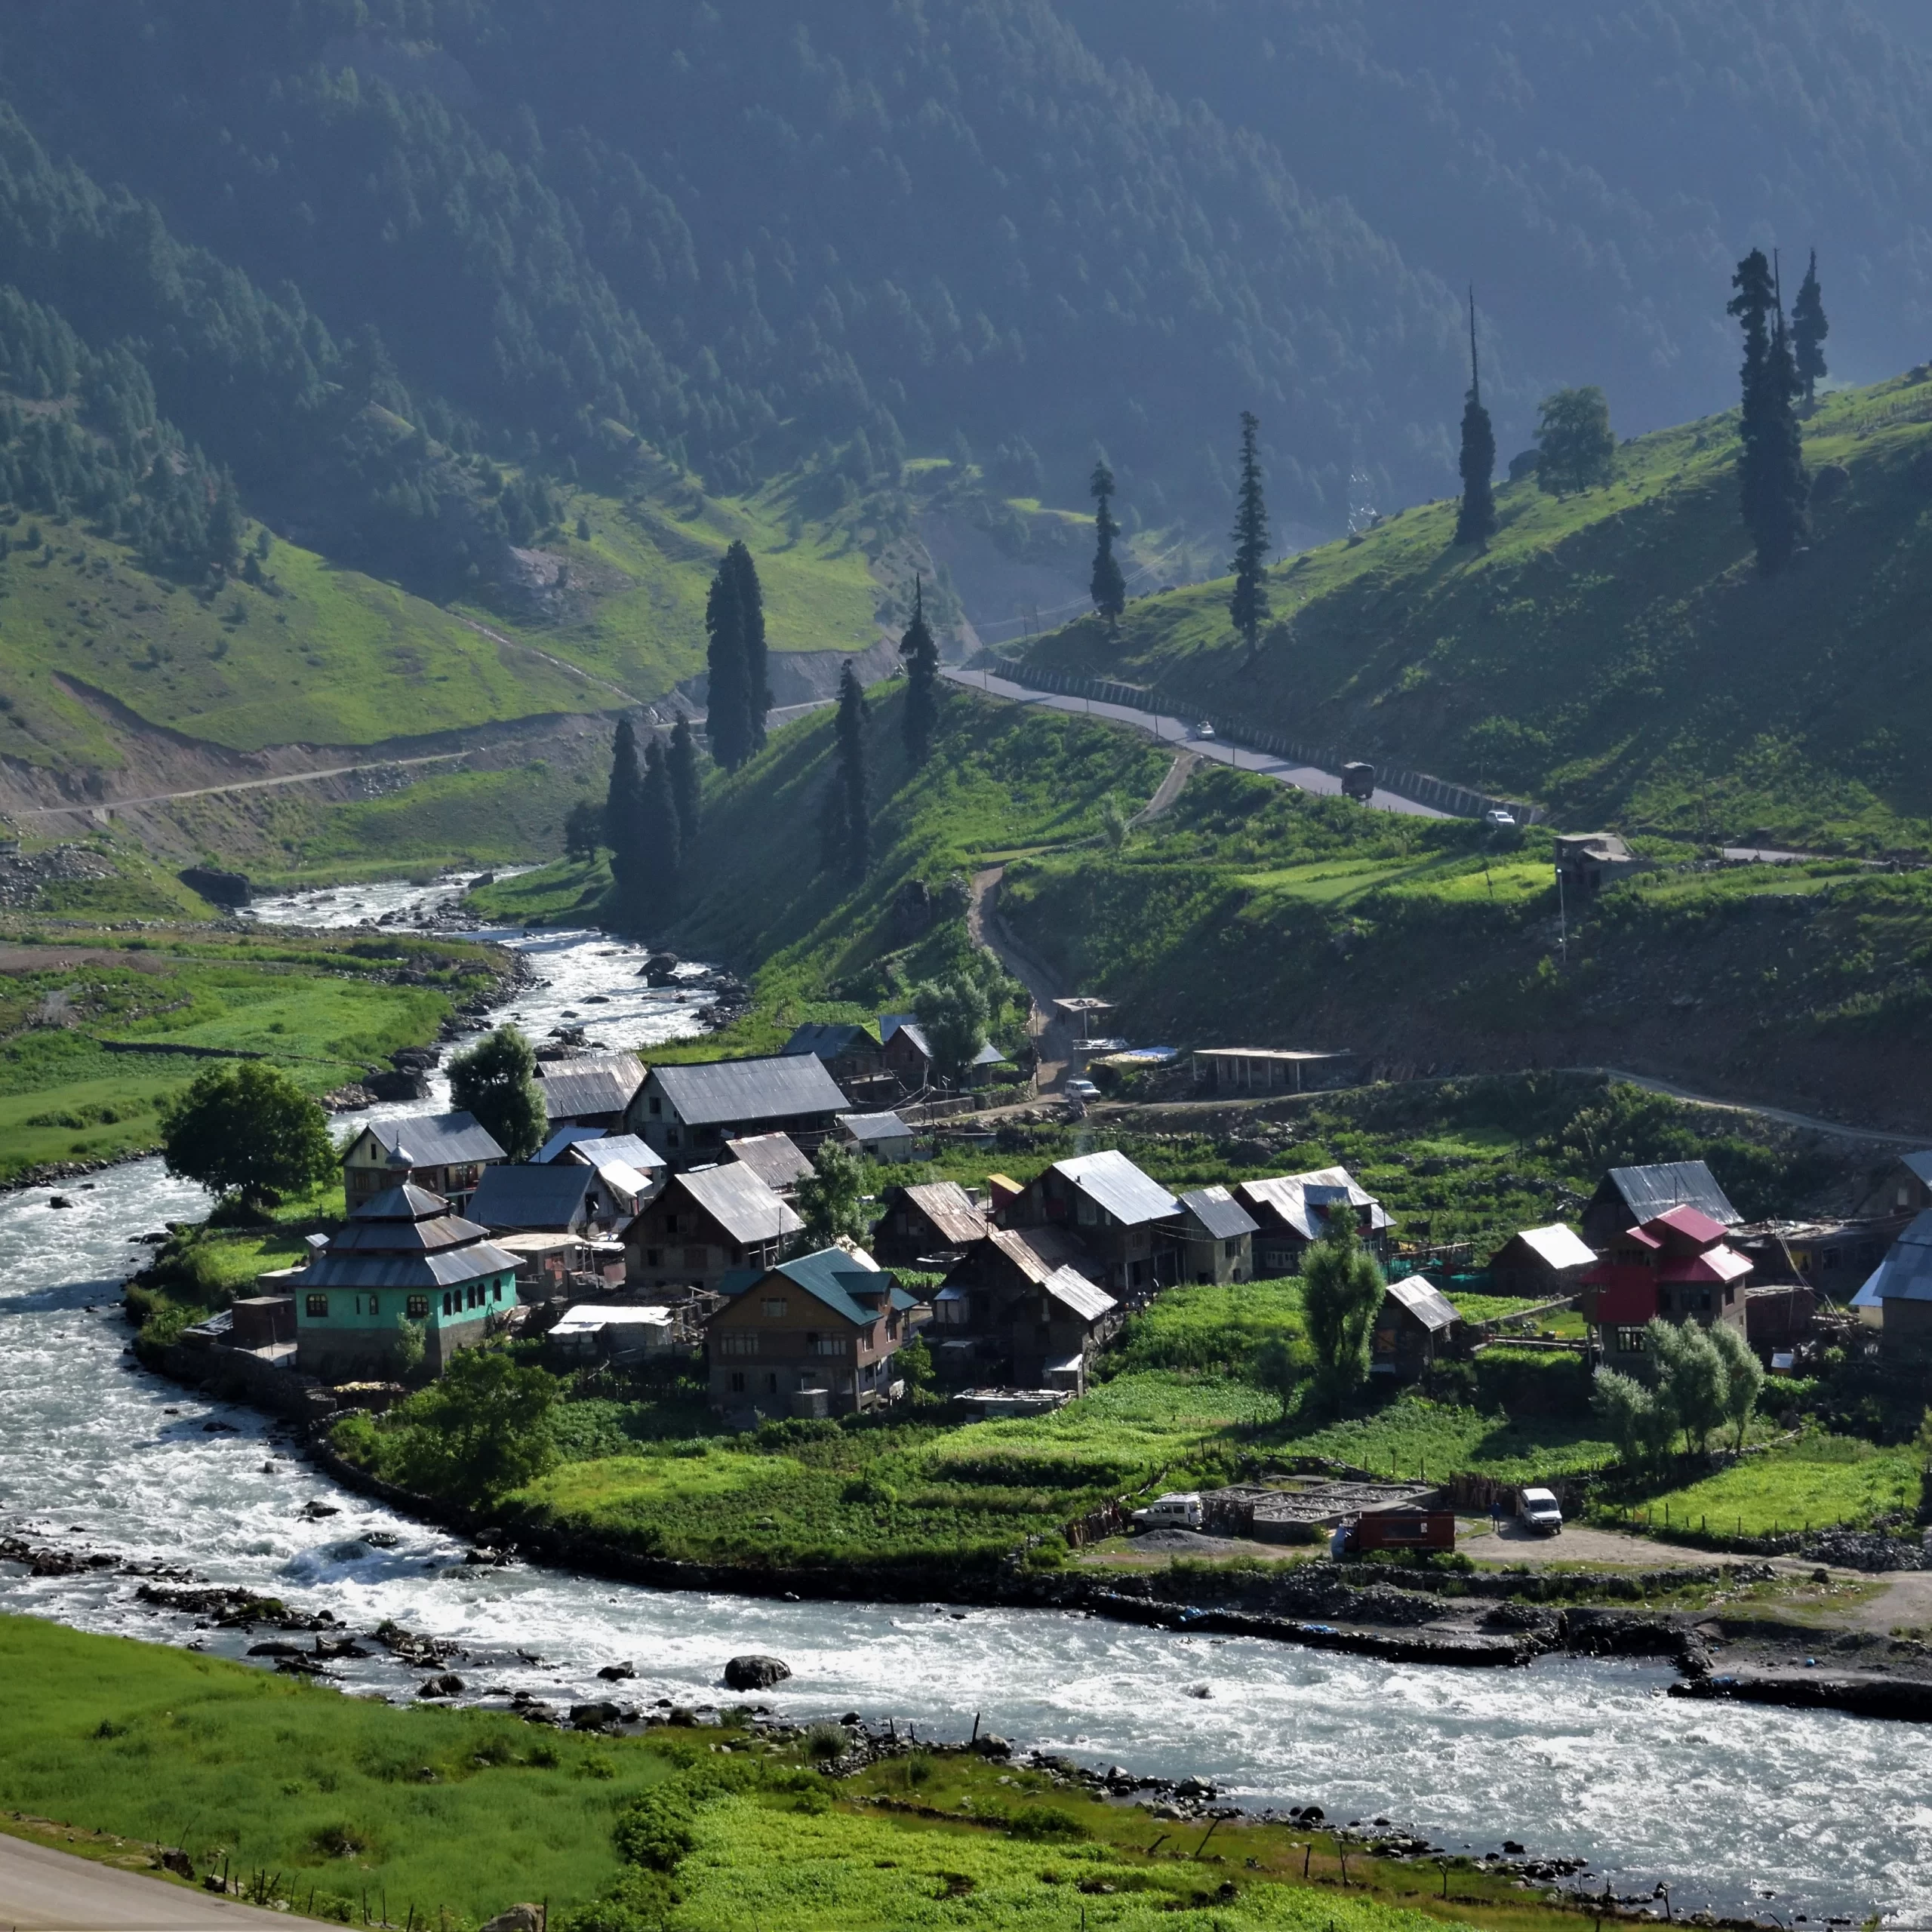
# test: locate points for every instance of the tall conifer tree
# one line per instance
(852, 783)
(1108, 586)
(622, 807)
(729, 722)
(1809, 329)
(1772, 488)
(660, 851)
(686, 787)
(1475, 521)
(1247, 604)
(751, 618)
(922, 656)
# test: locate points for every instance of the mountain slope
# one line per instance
(1613, 655)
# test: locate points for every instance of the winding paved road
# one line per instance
(42, 1888)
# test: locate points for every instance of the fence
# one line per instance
(1458, 800)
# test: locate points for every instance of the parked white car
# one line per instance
(1080, 1090)
(1204, 730)
(1538, 1509)
(1179, 1511)
(1497, 820)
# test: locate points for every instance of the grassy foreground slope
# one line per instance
(1615, 655)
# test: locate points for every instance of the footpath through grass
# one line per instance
(443, 1818)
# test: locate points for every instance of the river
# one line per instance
(1737, 1807)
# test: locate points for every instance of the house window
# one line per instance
(671, 1137)
(375, 1305)
(774, 1308)
(1083, 1212)
(449, 1302)
(654, 1258)
(419, 1308)
(656, 1107)
(1629, 1341)
(496, 1290)
(319, 1307)
(737, 1381)
(737, 1341)
(1231, 1249)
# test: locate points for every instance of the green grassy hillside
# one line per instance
(1616, 655)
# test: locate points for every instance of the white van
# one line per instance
(1181, 1510)
(1539, 1511)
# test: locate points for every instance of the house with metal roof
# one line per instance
(1291, 1210)
(1677, 1267)
(400, 1257)
(1217, 1237)
(1057, 1327)
(1416, 1325)
(708, 1223)
(591, 1089)
(880, 1137)
(562, 1140)
(776, 1158)
(443, 1154)
(1905, 1188)
(848, 1050)
(815, 1336)
(927, 1224)
(1628, 1197)
(988, 1313)
(1542, 1264)
(563, 1198)
(905, 1052)
(1129, 1223)
(1898, 1294)
(688, 1113)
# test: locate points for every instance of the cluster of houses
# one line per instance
(660, 1216)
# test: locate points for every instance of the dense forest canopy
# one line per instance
(367, 251)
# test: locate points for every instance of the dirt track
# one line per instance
(42, 1888)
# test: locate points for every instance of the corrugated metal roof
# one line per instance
(1286, 1197)
(876, 1127)
(1650, 1191)
(560, 1142)
(1905, 1272)
(450, 1269)
(843, 1281)
(717, 1093)
(1220, 1212)
(433, 1140)
(776, 1158)
(1426, 1302)
(560, 1196)
(1921, 1163)
(1690, 1223)
(625, 1147)
(1111, 1181)
(598, 1083)
(589, 1317)
(826, 1039)
(1555, 1247)
(908, 1023)
(1038, 1252)
(741, 1204)
(949, 1208)
(1075, 1292)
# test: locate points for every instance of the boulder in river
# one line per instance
(600, 1715)
(755, 1673)
(447, 1685)
(615, 1673)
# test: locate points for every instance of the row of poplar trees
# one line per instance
(1783, 361)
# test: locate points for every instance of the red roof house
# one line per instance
(1676, 1267)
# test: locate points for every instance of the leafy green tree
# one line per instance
(830, 1200)
(687, 787)
(246, 1130)
(1247, 603)
(852, 782)
(481, 1430)
(1576, 449)
(1116, 827)
(1743, 1377)
(1341, 1290)
(922, 656)
(1109, 587)
(1691, 1377)
(954, 1014)
(623, 805)
(583, 830)
(1772, 491)
(410, 1349)
(1809, 329)
(1281, 1366)
(661, 856)
(1631, 1416)
(915, 1362)
(728, 716)
(496, 1081)
(1475, 520)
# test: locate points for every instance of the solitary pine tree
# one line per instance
(1248, 604)
(686, 788)
(854, 806)
(660, 850)
(1110, 587)
(1476, 522)
(622, 804)
(1809, 329)
(729, 704)
(922, 656)
(1771, 465)
(751, 618)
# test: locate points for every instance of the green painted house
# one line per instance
(402, 1257)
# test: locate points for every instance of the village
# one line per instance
(657, 1233)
